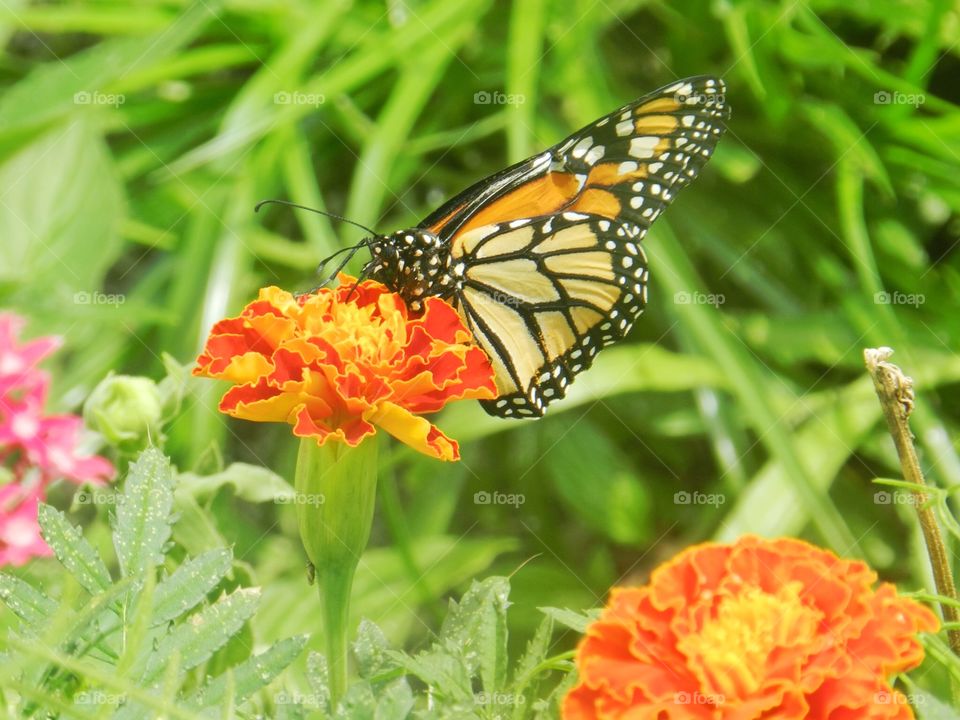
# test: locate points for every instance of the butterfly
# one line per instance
(543, 259)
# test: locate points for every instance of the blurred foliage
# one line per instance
(136, 139)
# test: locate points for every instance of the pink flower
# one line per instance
(18, 362)
(43, 448)
(28, 438)
(19, 531)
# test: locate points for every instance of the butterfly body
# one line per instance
(543, 259)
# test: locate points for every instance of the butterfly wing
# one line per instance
(543, 296)
(549, 248)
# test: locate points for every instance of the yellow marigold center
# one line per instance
(730, 653)
(357, 333)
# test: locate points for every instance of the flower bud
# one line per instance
(125, 409)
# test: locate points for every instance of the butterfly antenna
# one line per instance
(314, 210)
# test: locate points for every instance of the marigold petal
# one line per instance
(414, 431)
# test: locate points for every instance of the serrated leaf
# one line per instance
(142, 523)
(72, 550)
(358, 703)
(370, 649)
(318, 675)
(250, 676)
(252, 483)
(202, 634)
(570, 618)
(190, 583)
(476, 629)
(25, 601)
(395, 701)
(445, 673)
(536, 651)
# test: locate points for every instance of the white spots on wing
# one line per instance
(625, 168)
(580, 149)
(518, 223)
(636, 202)
(594, 154)
(643, 147)
(655, 167)
(624, 127)
(604, 225)
(626, 261)
(574, 216)
(687, 120)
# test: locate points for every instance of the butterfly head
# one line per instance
(414, 263)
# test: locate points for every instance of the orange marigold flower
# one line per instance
(757, 629)
(340, 362)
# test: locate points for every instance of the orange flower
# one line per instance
(757, 629)
(335, 364)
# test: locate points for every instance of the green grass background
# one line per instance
(818, 199)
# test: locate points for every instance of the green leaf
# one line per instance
(614, 502)
(395, 701)
(73, 551)
(570, 618)
(536, 651)
(201, 634)
(190, 583)
(928, 707)
(447, 675)
(63, 197)
(370, 649)
(26, 602)
(250, 482)
(142, 522)
(358, 704)
(319, 678)
(249, 676)
(476, 629)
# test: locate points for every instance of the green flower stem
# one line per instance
(336, 488)
(895, 391)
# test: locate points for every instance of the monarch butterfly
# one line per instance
(543, 259)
